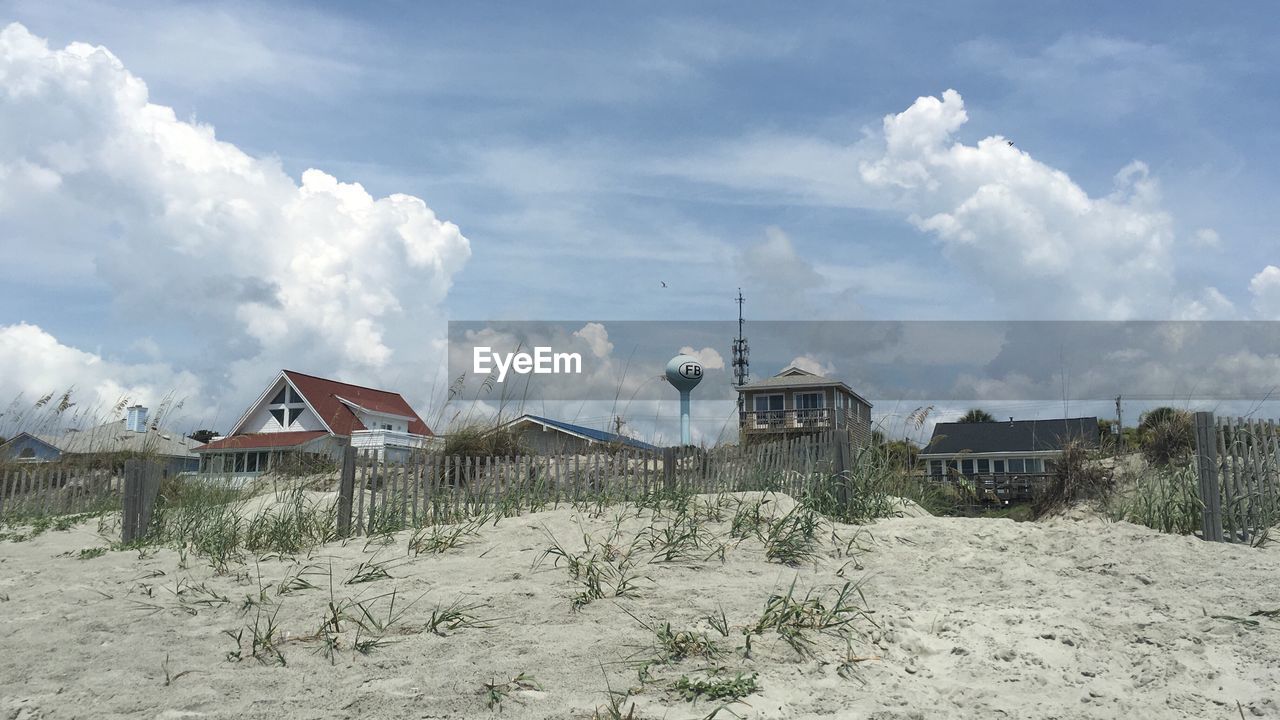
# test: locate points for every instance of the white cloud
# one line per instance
(1024, 228)
(1265, 288)
(34, 364)
(813, 365)
(710, 359)
(777, 274)
(597, 338)
(197, 236)
(1206, 238)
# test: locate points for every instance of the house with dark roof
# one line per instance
(130, 435)
(545, 436)
(1012, 447)
(300, 413)
(798, 402)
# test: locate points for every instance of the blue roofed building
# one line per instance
(545, 436)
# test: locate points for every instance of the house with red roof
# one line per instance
(305, 415)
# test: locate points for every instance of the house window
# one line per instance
(935, 467)
(809, 407)
(1015, 465)
(998, 466)
(966, 466)
(286, 407)
(984, 466)
(27, 453)
(1034, 465)
(768, 409)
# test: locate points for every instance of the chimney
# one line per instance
(136, 420)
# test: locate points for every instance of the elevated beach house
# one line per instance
(108, 443)
(304, 415)
(545, 436)
(798, 402)
(1009, 447)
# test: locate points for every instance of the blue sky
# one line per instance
(587, 154)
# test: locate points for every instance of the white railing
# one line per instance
(374, 439)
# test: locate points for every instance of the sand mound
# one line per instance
(967, 618)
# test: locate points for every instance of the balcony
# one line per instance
(381, 439)
(788, 420)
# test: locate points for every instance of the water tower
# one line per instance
(684, 372)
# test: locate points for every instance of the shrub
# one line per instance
(1076, 477)
(1167, 436)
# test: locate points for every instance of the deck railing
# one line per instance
(794, 419)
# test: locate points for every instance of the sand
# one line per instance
(973, 618)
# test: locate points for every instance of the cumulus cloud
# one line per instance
(813, 365)
(207, 241)
(597, 338)
(34, 364)
(1265, 288)
(710, 359)
(1024, 228)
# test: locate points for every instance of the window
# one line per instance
(984, 466)
(1034, 465)
(768, 409)
(809, 407)
(998, 466)
(935, 467)
(27, 453)
(286, 407)
(966, 466)
(1015, 465)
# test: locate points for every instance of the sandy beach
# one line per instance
(1075, 617)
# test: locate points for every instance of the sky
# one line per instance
(193, 196)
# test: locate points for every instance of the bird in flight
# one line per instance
(1010, 143)
(664, 283)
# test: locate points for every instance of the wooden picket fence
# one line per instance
(47, 489)
(41, 490)
(375, 496)
(1238, 464)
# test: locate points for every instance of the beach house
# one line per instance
(798, 402)
(303, 415)
(1004, 447)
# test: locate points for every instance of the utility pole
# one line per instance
(1119, 427)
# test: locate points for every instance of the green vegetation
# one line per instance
(977, 415)
(732, 689)
(1166, 436)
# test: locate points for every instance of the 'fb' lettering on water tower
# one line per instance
(684, 372)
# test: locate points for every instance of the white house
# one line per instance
(310, 415)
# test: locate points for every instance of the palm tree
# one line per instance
(977, 415)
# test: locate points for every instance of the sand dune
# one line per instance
(965, 618)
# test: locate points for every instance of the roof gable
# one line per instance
(331, 400)
(335, 403)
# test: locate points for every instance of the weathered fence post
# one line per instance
(1207, 469)
(129, 498)
(141, 485)
(841, 467)
(346, 490)
(668, 468)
